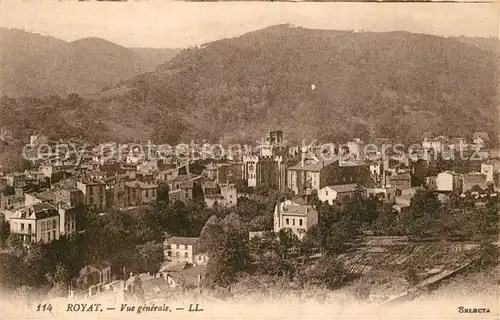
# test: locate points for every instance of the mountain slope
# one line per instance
(36, 65)
(318, 84)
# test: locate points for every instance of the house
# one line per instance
(227, 197)
(435, 144)
(167, 174)
(457, 144)
(480, 139)
(474, 179)
(431, 183)
(295, 216)
(11, 202)
(402, 203)
(116, 191)
(210, 188)
(98, 272)
(94, 191)
(184, 250)
(311, 175)
(400, 181)
(230, 195)
(491, 169)
(265, 171)
(339, 192)
(148, 167)
(141, 193)
(67, 201)
(38, 222)
(384, 194)
(14, 179)
(223, 173)
(449, 181)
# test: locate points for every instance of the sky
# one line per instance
(172, 24)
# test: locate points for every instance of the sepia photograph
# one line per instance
(249, 160)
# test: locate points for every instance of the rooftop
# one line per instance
(182, 240)
(36, 211)
(351, 187)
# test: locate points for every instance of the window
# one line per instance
(177, 254)
(199, 258)
(300, 222)
(54, 234)
(287, 221)
(293, 221)
(53, 224)
(22, 227)
(43, 237)
(48, 236)
(185, 254)
(147, 193)
(326, 193)
(43, 226)
(29, 228)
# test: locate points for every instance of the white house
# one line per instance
(98, 272)
(184, 249)
(449, 181)
(294, 216)
(337, 192)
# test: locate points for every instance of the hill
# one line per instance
(37, 65)
(318, 84)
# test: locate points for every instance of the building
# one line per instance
(474, 179)
(94, 192)
(265, 171)
(340, 192)
(68, 200)
(116, 191)
(224, 173)
(431, 183)
(400, 181)
(14, 179)
(38, 222)
(96, 273)
(435, 144)
(148, 167)
(314, 174)
(491, 169)
(141, 193)
(230, 195)
(12, 202)
(295, 216)
(184, 250)
(227, 197)
(449, 181)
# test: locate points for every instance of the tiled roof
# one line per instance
(351, 187)
(182, 240)
(402, 176)
(140, 184)
(37, 211)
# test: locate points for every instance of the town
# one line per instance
(138, 227)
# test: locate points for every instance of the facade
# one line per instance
(38, 222)
(400, 181)
(141, 193)
(339, 192)
(490, 169)
(294, 216)
(98, 272)
(11, 202)
(474, 179)
(431, 183)
(67, 201)
(116, 192)
(94, 192)
(449, 181)
(184, 250)
(313, 175)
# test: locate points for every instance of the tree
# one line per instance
(151, 253)
(59, 280)
(328, 273)
(228, 254)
